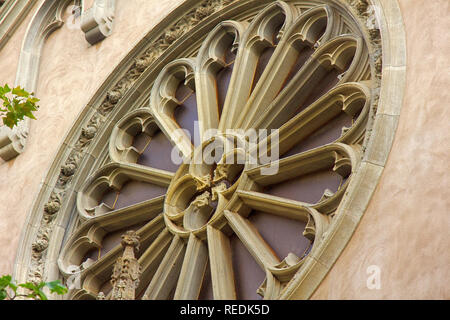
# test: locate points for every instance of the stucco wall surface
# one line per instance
(70, 73)
(405, 231)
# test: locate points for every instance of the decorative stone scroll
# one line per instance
(97, 21)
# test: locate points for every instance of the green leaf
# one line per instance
(5, 100)
(16, 108)
(29, 285)
(5, 281)
(57, 287)
(3, 294)
(34, 100)
(41, 295)
(32, 295)
(20, 92)
(6, 89)
(10, 119)
(41, 285)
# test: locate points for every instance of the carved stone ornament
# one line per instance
(97, 21)
(125, 277)
(185, 234)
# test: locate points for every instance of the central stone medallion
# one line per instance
(204, 184)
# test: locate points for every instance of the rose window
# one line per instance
(220, 215)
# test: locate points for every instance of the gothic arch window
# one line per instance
(306, 71)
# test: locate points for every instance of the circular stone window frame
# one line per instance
(50, 216)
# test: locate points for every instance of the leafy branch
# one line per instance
(35, 292)
(17, 104)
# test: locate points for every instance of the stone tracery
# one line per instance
(271, 102)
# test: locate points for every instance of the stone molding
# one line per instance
(42, 238)
(11, 16)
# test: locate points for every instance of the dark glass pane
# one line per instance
(186, 114)
(303, 56)
(328, 79)
(223, 80)
(307, 188)
(109, 197)
(157, 153)
(109, 241)
(114, 238)
(141, 140)
(248, 276)
(282, 234)
(325, 134)
(264, 59)
(133, 192)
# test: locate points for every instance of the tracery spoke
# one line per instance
(165, 278)
(212, 57)
(262, 34)
(252, 240)
(291, 54)
(319, 74)
(275, 205)
(221, 266)
(193, 270)
(152, 256)
(344, 110)
(240, 87)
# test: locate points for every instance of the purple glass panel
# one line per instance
(223, 80)
(282, 234)
(326, 83)
(264, 59)
(186, 113)
(303, 56)
(133, 192)
(308, 188)
(157, 153)
(325, 134)
(248, 276)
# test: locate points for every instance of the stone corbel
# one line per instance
(12, 141)
(97, 21)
